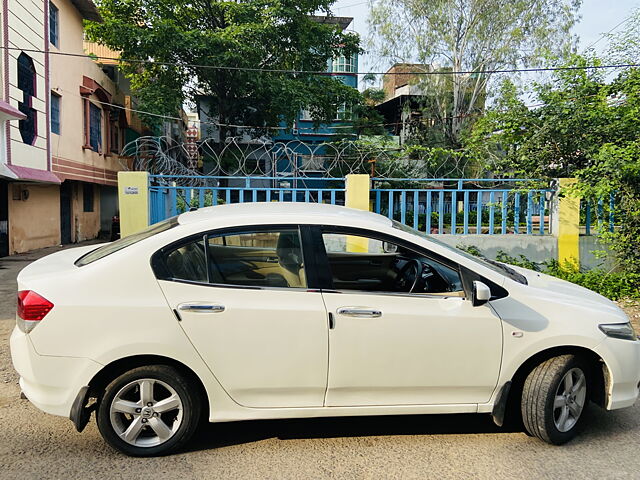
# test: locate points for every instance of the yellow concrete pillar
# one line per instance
(568, 231)
(357, 188)
(133, 197)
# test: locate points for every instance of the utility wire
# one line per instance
(603, 35)
(325, 73)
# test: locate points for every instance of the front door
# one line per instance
(243, 302)
(402, 331)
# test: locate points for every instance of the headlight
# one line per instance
(623, 331)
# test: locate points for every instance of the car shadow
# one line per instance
(598, 425)
(217, 435)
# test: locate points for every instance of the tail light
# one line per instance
(31, 309)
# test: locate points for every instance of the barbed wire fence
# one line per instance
(294, 158)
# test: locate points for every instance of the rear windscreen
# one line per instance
(113, 247)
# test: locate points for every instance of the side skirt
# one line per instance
(233, 415)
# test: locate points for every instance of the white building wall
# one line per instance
(26, 31)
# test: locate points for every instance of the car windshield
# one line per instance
(499, 267)
(113, 247)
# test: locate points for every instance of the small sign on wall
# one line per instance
(131, 190)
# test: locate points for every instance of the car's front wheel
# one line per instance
(554, 397)
(148, 411)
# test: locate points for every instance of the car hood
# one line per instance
(553, 289)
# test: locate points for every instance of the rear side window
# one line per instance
(269, 258)
(113, 247)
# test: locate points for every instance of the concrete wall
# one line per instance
(588, 245)
(31, 228)
(534, 247)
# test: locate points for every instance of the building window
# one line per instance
(114, 130)
(344, 112)
(343, 64)
(87, 197)
(27, 83)
(95, 127)
(26, 75)
(55, 113)
(54, 25)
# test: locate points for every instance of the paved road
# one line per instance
(34, 445)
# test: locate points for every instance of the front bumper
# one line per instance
(622, 358)
(51, 383)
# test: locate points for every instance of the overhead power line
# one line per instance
(325, 73)
(603, 35)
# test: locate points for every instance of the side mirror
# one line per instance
(481, 294)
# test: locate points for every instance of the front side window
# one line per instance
(499, 267)
(373, 265)
(269, 258)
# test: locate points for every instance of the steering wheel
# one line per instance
(408, 275)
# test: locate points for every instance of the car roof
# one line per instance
(269, 212)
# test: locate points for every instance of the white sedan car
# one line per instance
(274, 310)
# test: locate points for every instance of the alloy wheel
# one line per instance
(146, 412)
(569, 400)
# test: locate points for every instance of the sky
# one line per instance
(598, 17)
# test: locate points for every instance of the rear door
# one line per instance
(243, 301)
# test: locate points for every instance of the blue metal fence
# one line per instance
(598, 216)
(467, 206)
(436, 206)
(169, 196)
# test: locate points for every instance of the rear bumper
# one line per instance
(622, 358)
(50, 383)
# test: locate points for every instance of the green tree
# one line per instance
(471, 36)
(367, 120)
(580, 126)
(184, 40)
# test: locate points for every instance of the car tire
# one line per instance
(554, 397)
(149, 411)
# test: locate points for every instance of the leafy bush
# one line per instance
(613, 285)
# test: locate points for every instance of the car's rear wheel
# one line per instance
(148, 411)
(554, 397)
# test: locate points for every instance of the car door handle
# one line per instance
(201, 307)
(359, 312)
